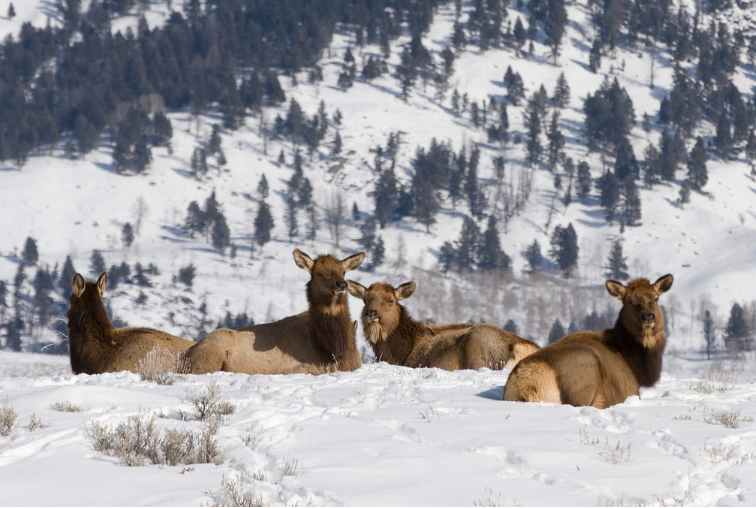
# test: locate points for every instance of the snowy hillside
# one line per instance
(381, 436)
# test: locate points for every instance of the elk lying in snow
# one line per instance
(600, 369)
(96, 346)
(398, 339)
(314, 342)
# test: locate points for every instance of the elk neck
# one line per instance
(395, 346)
(642, 353)
(331, 325)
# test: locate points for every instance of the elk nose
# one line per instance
(370, 314)
(648, 317)
(341, 284)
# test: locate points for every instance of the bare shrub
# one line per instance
(139, 441)
(65, 407)
(492, 500)
(209, 404)
(617, 454)
(8, 417)
(35, 423)
(162, 367)
(730, 419)
(586, 439)
(715, 381)
(231, 494)
(723, 452)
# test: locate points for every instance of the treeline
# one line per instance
(191, 61)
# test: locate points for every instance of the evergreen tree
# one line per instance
(534, 257)
(127, 235)
(556, 139)
(594, 59)
(66, 277)
(697, 174)
(96, 263)
(263, 223)
(13, 335)
(11, 11)
(583, 187)
(220, 235)
(424, 201)
(337, 144)
(195, 221)
(561, 92)
(198, 163)
(750, 149)
(737, 333)
(142, 156)
(163, 129)
(520, 36)
(379, 253)
(616, 264)
(186, 275)
(533, 133)
(467, 245)
(290, 217)
(490, 254)
(625, 163)
(385, 196)
(313, 222)
(475, 197)
(122, 156)
(214, 143)
(554, 25)
(368, 240)
(511, 327)
(708, 333)
(610, 194)
(407, 72)
(564, 249)
(556, 332)
(262, 187)
(355, 213)
(684, 194)
(652, 165)
(304, 195)
(631, 203)
(723, 138)
(30, 254)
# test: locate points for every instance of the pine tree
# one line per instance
(584, 184)
(708, 333)
(66, 277)
(142, 156)
(564, 249)
(616, 264)
(556, 139)
(379, 253)
(723, 139)
(554, 25)
(407, 72)
(424, 201)
(520, 36)
(11, 11)
(186, 275)
(490, 255)
(385, 196)
(290, 217)
(594, 59)
(220, 235)
(475, 198)
(313, 222)
(697, 173)
(304, 195)
(263, 223)
(737, 333)
(556, 332)
(511, 327)
(96, 263)
(30, 254)
(631, 203)
(467, 245)
(750, 149)
(610, 194)
(214, 143)
(195, 221)
(561, 92)
(127, 235)
(355, 213)
(262, 187)
(534, 257)
(684, 194)
(337, 144)
(533, 133)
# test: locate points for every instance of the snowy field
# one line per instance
(385, 435)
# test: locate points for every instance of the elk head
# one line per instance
(79, 286)
(381, 313)
(641, 314)
(326, 274)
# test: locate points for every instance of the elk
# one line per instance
(96, 346)
(398, 339)
(317, 341)
(600, 368)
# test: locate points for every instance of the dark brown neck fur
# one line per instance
(89, 332)
(644, 362)
(397, 346)
(332, 330)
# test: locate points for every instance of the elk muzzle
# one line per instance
(371, 315)
(648, 317)
(341, 285)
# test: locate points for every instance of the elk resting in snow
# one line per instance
(398, 339)
(96, 346)
(603, 368)
(315, 342)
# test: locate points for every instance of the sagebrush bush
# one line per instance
(231, 494)
(162, 367)
(209, 404)
(8, 417)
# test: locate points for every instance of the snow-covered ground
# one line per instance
(386, 435)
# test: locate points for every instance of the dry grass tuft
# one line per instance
(162, 367)
(586, 439)
(730, 419)
(66, 407)
(715, 381)
(291, 468)
(231, 494)
(35, 423)
(492, 500)
(617, 454)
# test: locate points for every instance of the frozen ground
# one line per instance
(387, 435)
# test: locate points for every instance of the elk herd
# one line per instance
(587, 368)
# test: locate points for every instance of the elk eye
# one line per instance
(656, 299)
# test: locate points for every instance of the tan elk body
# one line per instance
(317, 341)
(602, 368)
(398, 339)
(96, 346)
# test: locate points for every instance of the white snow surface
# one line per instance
(385, 435)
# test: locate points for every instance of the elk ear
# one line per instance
(616, 289)
(664, 283)
(405, 290)
(354, 325)
(101, 283)
(353, 262)
(356, 289)
(303, 261)
(77, 285)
